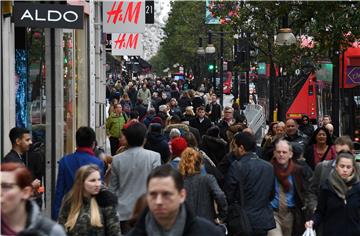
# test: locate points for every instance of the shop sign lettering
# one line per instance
(353, 75)
(124, 16)
(48, 15)
(129, 44)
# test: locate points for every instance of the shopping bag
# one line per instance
(309, 232)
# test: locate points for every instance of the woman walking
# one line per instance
(87, 209)
(202, 190)
(339, 202)
(19, 214)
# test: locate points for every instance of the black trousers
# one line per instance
(114, 144)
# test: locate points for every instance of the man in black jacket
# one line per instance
(201, 122)
(167, 213)
(21, 141)
(257, 178)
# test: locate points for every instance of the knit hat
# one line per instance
(178, 145)
(158, 120)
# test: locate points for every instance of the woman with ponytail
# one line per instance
(88, 209)
(201, 190)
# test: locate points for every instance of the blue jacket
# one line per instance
(68, 166)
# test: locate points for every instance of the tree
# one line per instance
(333, 26)
(186, 23)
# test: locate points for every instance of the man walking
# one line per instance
(213, 109)
(68, 165)
(167, 213)
(114, 125)
(257, 178)
(130, 170)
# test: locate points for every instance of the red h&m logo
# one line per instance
(131, 13)
(126, 41)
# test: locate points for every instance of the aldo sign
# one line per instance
(48, 15)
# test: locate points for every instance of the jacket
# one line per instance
(215, 110)
(129, 172)
(257, 176)
(201, 191)
(157, 142)
(309, 155)
(108, 215)
(114, 124)
(68, 166)
(215, 148)
(38, 224)
(337, 216)
(145, 96)
(203, 126)
(301, 177)
(194, 226)
(299, 138)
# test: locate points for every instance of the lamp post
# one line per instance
(284, 37)
(201, 53)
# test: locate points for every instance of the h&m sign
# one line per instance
(48, 15)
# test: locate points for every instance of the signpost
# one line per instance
(353, 75)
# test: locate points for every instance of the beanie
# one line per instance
(178, 145)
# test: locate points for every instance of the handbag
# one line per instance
(309, 232)
(238, 222)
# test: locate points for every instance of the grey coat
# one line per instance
(202, 190)
(38, 224)
(130, 170)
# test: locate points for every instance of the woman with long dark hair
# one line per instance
(87, 209)
(320, 147)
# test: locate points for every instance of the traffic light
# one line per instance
(211, 67)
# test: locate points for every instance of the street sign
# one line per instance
(149, 12)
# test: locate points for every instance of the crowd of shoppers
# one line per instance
(181, 164)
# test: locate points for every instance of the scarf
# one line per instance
(342, 186)
(154, 229)
(282, 173)
(88, 150)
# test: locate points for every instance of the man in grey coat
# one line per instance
(130, 170)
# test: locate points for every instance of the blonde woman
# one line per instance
(87, 209)
(202, 190)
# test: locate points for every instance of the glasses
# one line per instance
(7, 186)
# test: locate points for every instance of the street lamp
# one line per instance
(285, 35)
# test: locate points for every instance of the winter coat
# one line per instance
(107, 205)
(39, 225)
(203, 126)
(257, 177)
(307, 129)
(114, 124)
(145, 96)
(184, 102)
(338, 217)
(309, 155)
(215, 110)
(201, 191)
(194, 226)
(215, 148)
(68, 166)
(157, 142)
(299, 138)
(129, 171)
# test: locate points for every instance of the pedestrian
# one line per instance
(306, 126)
(290, 192)
(87, 209)
(129, 171)
(257, 179)
(269, 137)
(293, 134)
(213, 145)
(213, 109)
(21, 142)
(144, 94)
(69, 164)
(339, 201)
(20, 215)
(114, 124)
(202, 190)
(156, 141)
(320, 147)
(167, 213)
(178, 145)
(201, 122)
